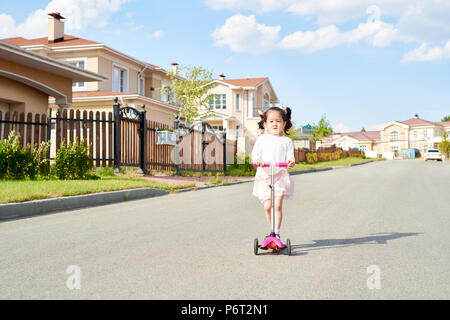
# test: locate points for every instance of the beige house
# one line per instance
(365, 140)
(133, 81)
(28, 79)
(235, 104)
(414, 133)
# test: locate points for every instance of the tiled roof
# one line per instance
(68, 41)
(248, 82)
(417, 122)
(364, 135)
(444, 123)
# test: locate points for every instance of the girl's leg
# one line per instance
(278, 212)
(267, 204)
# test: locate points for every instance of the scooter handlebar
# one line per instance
(267, 164)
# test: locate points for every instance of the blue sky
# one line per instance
(362, 63)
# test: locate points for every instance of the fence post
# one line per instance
(176, 149)
(49, 134)
(116, 109)
(203, 147)
(225, 153)
(143, 139)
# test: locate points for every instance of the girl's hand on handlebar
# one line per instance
(259, 163)
(291, 164)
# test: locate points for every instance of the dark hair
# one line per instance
(286, 115)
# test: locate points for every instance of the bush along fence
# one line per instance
(124, 137)
(324, 154)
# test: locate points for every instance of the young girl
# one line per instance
(272, 146)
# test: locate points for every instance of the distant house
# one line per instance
(303, 138)
(135, 82)
(365, 141)
(414, 133)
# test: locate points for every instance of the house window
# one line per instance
(416, 134)
(363, 147)
(238, 128)
(218, 128)
(218, 101)
(425, 133)
(266, 102)
(394, 135)
(394, 148)
(251, 105)
(237, 96)
(120, 78)
(82, 65)
(141, 86)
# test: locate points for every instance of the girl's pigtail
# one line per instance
(288, 125)
(263, 119)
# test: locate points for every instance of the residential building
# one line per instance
(134, 82)
(414, 133)
(362, 140)
(235, 105)
(303, 138)
(28, 79)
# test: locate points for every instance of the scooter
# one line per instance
(271, 241)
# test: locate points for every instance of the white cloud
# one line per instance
(416, 20)
(428, 53)
(258, 6)
(244, 34)
(155, 35)
(79, 14)
(309, 41)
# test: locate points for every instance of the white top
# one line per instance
(269, 148)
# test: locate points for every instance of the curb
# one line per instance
(38, 207)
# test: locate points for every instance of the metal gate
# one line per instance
(129, 137)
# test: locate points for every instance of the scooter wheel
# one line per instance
(288, 245)
(255, 246)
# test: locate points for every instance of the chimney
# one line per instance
(175, 68)
(222, 76)
(55, 27)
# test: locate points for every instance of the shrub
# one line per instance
(242, 169)
(73, 161)
(20, 163)
(312, 158)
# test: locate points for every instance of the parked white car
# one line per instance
(433, 154)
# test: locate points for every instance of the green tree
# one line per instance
(444, 146)
(323, 129)
(363, 129)
(446, 118)
(189, 90)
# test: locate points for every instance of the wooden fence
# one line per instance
(115, 139)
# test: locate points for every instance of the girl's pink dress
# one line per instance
(284, 185)
(270, 148)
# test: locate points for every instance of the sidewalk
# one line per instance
(199, 181)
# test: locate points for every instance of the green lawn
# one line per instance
(23, 190)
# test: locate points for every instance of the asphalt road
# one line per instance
(376, 231)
